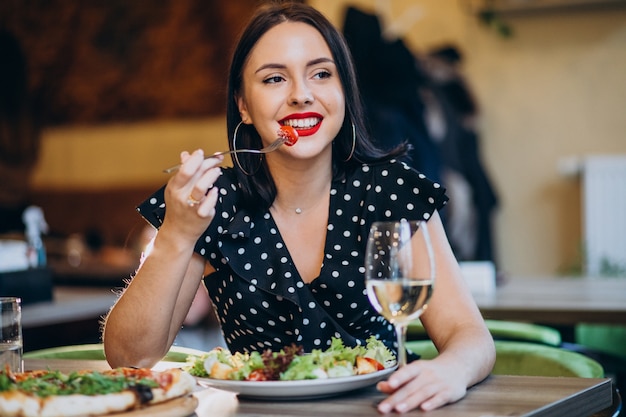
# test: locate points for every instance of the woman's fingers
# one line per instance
(190, 163)
(421, 384)
(195, 177)
(207, 207)
(203, 184)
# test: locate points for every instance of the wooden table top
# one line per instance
(498, 395)
(566, 300)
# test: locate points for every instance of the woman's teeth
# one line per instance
(302, 123)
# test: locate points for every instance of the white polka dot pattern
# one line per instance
(259, 297)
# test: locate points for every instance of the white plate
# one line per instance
(296, 390)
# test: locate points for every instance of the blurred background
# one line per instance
(120, 89)
(516, 106)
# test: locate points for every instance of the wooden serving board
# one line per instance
(178, 407)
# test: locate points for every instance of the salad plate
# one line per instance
(296, 390)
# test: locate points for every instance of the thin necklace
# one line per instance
(300, 210)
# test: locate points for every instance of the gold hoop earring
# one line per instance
(353, 144)
(235, 153)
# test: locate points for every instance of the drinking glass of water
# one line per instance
(399, 273)
(11, 334)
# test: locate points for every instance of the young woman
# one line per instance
(280, 239)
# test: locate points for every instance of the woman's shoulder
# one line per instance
(397, 182)
(229, 192)
(392, 169)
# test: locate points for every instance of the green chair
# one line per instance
(503, 330)
(533, 359)
(524, 358)
(96, 352)
(605, 338)
(606, 343)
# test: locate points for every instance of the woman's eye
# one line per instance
(322, 74)
(273, 80)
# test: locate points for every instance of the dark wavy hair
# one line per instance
(259, 188)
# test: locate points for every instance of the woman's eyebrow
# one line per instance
(320, 61)
(272, 65)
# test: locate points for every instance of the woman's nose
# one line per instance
(301, 94)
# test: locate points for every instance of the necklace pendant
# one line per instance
(298, 210)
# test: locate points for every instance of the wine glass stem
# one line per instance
(401, 335)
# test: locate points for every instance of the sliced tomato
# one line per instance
(256, 375)
(374, 363)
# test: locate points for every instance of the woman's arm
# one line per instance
(455, 325)
(142, 325)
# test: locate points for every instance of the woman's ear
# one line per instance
(243, 110)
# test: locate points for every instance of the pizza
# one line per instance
(48, 393)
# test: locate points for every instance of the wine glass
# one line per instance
(399, 273)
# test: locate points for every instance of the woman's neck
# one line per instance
(300, 189)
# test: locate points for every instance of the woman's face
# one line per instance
(290, 78)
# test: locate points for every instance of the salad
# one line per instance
(291, 363)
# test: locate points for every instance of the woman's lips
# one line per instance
(309, 131)
(306, 124)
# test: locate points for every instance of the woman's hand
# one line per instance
(427, 384)
(190, 196)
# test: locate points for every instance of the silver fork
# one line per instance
(269, 148)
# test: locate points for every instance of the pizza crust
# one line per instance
(178, 407)
(182, 384)
(174, 384)
(87, 405)
(17, 404)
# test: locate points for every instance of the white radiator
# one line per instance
(604, 212)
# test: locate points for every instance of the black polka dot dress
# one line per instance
(259, 297)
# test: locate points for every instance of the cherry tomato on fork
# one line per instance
(289, 133)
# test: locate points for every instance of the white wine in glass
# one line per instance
(399, 273)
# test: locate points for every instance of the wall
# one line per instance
(554, 90)
(122, 155)
(557, 91)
